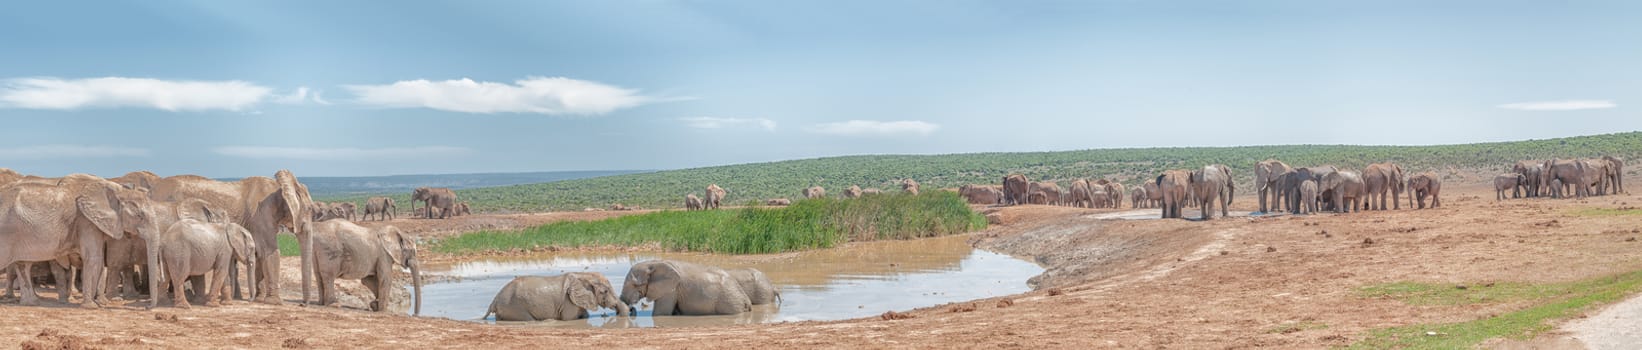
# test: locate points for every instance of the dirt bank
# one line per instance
(1230, 283)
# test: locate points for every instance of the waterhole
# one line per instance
(857, 280)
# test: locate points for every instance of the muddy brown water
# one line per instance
(858, 280)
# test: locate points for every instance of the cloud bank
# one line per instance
(343, 153)
(720, 123)
(120, 92)
(1563, 105)
(539, 95)
(876, 128)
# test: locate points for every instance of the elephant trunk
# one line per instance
(621, 308)
(416, 283)
(305, 238)
(250, 276)
(154, 270)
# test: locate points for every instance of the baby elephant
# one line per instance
(196, 248)
(564, 297)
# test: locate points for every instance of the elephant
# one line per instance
(1533, 175)
(909, 186)
(382, 207)
(1137, 197)
(758, 288)
(1267, 174)
(1081, 194)
(1616, 173)
(260, 204)
(197, 248)
(1038, 197)
(814, 192)
(1099, 199)
(564, 297)
(1051, 191)
(1015, 189)
(715, 195)
(1425, 184)
(1154, 195)
(852, 192)
(79, 214)
(1172, 186)
(1506, 181)
(1579, 173)
(871, 190)
(691, 202)
(1380, 178)
(778, 202)
(1308, 197)
(682, 288)
(1212, 184)
(1289, 184)
(441, 199)
(348, 210)
(1345, 189)
(1596, 176)
(1114, 193)
(980, 194)
(125, 258)
(347, 250)
(462, 209)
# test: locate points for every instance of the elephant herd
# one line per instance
(674, 288)
(1560, 178)
(1083, 193)
(1378, 186)
(714, 195)
(186, 235)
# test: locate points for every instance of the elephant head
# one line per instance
(244, 248)
(648, 279)
(590, 291)
(111, 208)
(401, 248)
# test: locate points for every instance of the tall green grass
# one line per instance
(1552, 302)
(288, 245)
(807, 224)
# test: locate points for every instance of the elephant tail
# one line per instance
(489, 311)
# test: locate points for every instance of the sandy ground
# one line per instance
(1225, 283)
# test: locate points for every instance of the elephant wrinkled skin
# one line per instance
(682, 288)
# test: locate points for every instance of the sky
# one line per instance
(363, 88)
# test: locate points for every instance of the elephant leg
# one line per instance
(91, 274)
(213, 292)
(664, 306)
(25, 284)
(268, 276)
(197, 283)
(60, 274)
(372, 284)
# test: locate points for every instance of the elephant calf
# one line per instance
(1506, 182)
(195, 248)
(564, 297)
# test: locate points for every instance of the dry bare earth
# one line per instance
(1226, 283)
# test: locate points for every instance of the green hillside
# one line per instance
(758, 181)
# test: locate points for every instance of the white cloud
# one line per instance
(70, 151)
(344, 153)
(876, 128)
(552, 96)
(120, 92)
(297, 97)
(720, 123)
(1564, 105)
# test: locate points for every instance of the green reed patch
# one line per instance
(1552, 301)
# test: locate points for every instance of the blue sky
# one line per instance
(235, 88)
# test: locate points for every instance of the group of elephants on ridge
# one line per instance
(715, 195)
(144, 233)
(1302, 190)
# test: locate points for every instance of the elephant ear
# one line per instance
(580, 292)
(97, 204)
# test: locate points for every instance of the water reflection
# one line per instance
(855, 281)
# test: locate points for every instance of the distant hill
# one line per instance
(757, 181)
(325, 187)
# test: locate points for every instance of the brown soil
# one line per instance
(1226, 283)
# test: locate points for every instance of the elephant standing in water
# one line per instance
(382, 207)
(814, 192)
(564, 297)
(1379, 178)
(682, 288)
(1212, 184)
(347, 250)
(691, 202)
(1015, 189)
(1427, 183)
(1267, 175)
(196, 248)
(1507, 181)
(1172, 186)
(715, 195)
(439, 201)
(1345, 189)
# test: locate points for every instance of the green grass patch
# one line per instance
(807, 224)
(288, 245)
(1291, 327)
(1605, 212)
(1554, 301)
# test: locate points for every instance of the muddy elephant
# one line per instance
(1345, 189)
(1153, 194)
(79, 214)
(1308, 197)
(1172, 187)
(1081, 195)
(778, 202)
(759, 289)
(852, 192)
(382, 207)
(1114, 191)
(564, 297)
(714, 196)
(1015, 189)
(198, 248)
(1380, 179)
(1212, 185)
(1616, 173)
(346, 250)
(1425, 184)
(1052, 193)
(691, 202)
(1137, 197)
(1506, 181)
(1533, 179)
(980, 194)
(440, 201)
(909, 186)
(682, 288)
(814, 192)
(1267, 175)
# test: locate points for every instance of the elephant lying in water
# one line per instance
(564, 297)
(681, 288)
